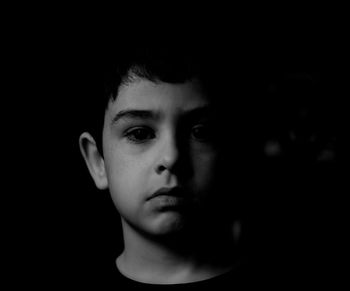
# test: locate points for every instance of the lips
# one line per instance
(173, 192)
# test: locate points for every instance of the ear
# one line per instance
(94, 160)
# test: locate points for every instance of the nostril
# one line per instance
(161, 168)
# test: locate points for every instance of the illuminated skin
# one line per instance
(167, 145)
(159, 136)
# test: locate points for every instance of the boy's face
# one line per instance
(159, 153)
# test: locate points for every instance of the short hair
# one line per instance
(217, 71)
(173, 64)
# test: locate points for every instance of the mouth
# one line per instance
(171, 199)
(177, 192)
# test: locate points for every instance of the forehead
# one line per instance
(146, 95)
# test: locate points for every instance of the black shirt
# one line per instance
(238, 277)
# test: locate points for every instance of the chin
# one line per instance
(168, 224)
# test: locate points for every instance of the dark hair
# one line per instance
(158, 64)
(227, 77)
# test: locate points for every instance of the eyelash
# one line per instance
(132, 133)
(205, 130)
(147, 134)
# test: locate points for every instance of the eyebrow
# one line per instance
(134, 114)
(199, 112)
(195, 113)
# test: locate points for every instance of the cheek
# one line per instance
(204, 169)
(126, 179)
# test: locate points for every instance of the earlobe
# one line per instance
(93, 160)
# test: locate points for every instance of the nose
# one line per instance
(168, 155)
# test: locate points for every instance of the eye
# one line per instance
(201, 133)
(140, 134)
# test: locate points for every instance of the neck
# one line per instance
(186, 257)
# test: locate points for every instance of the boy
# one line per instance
(161, 157)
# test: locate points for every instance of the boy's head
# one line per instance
(123, 66)
(157, 146)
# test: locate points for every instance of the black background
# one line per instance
(64, 228)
